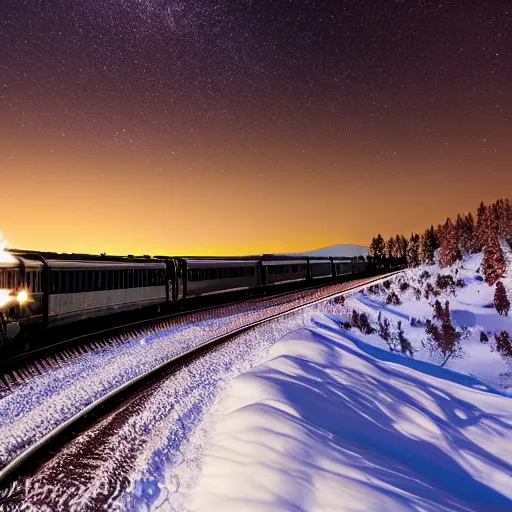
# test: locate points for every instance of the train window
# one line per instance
(55, 282)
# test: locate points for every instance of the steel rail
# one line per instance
(25, 455)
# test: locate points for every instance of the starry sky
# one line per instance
(248, 126)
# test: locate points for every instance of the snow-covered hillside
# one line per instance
(471, 309)
(331, 423)
(369, 408)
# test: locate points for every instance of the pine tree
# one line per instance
(493, 264)
(403, 246)
(465, 227)
(390, 248)
(413, 251)
(398, 249)
(480, 228)
(501, 302)
(428, 245)
(449, 251)
(377, 247)
(506, 222)
(503, 344)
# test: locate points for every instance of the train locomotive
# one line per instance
(39, 291)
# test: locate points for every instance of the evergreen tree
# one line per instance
(449, 251)
(377, 247)
(501, 302)
(480, 228)
(413, 251)
(503, 344)
(390, 248)
(506, 222)
(398, 248)
(403, 246)
(493, 264)
(465, 226)
(428, 245)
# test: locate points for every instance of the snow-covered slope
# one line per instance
(331, 423)
(471, 308)
(338, 250)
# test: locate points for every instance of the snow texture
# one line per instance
(331, 423)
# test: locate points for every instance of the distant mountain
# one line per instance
(337, 250)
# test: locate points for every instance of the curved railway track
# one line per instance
(41, 451)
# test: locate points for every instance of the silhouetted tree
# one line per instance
(390, 248)
(501, 302)
(377, 247)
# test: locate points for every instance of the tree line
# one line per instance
(453, 239)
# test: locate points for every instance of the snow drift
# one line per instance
(332, 423)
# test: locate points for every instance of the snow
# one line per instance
(329, 422)
(471, 309)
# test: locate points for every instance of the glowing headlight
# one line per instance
(5, 297)
(22, 297)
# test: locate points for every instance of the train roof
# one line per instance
(37, 255)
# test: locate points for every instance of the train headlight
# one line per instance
(5, 297)
(22, 297)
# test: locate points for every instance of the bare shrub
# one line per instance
(384, 332)
(445, 281)
(386, 284)
(364, 324)
(404, 286)
(403, 342)
(393, 299)
(355, 318)
(424, 275)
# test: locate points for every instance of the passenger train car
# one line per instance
(39, 291)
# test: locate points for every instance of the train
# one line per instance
(40, 291)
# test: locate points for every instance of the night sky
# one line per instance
(235, 127)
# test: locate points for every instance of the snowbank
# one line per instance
(332, 423)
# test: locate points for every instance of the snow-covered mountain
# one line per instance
(337, 250)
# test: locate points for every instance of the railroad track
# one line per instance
(34, 455)
(15, 361)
